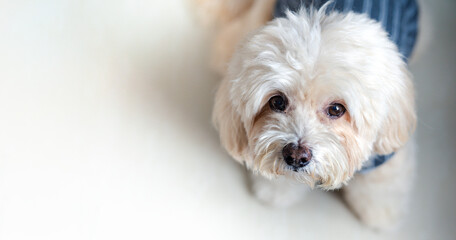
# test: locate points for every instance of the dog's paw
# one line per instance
(277, 192)
(381, 218)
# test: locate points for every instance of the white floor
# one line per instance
(105, 132)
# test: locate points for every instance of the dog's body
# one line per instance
(310, 98)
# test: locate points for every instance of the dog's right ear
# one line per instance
(228, 122)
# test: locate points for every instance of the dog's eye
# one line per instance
(278, 103)
(335, 110)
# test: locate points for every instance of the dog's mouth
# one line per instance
(298, 169)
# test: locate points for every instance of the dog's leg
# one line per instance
(379, 197)
(234, 31)
(279, 192)
(213, 12)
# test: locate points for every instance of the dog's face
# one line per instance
(313, 96)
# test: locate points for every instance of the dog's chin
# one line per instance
(308, 175)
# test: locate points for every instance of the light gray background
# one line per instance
(105, 132)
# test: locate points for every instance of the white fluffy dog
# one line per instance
(311, 98)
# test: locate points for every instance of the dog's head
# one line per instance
(312, 96)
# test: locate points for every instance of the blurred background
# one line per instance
(105, 131)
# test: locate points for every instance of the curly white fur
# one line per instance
(315, 58)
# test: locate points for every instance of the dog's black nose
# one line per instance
(296, 156)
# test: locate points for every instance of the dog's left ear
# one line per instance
(400, 121)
